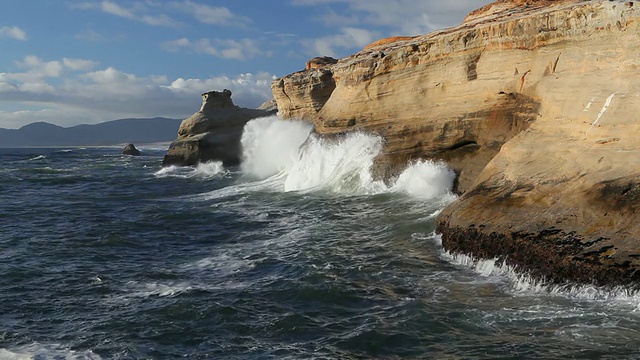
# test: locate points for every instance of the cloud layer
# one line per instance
(71, 91)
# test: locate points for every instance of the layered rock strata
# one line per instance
(535, 104)
(213, 133)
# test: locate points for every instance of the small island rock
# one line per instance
(130, 149)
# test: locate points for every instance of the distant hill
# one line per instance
(136, 131)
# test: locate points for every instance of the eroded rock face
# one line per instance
(535, 104)
(213, 133)
(560, 200)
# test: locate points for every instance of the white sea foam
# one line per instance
(522, 284)
(40, 351)
(207, 170)
(158, 146)
(145, 290)
(285, 156)
(39, 157)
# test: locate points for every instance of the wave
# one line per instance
(204, 171)
(522, 284)
(40, 351)
(285, 156)
(39, 157)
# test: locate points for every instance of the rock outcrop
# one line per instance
(213, 133)
(535, 105)
(320, 62)
(130, 149)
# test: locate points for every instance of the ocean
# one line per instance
(296, 254)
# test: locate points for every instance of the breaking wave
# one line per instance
(286, 156)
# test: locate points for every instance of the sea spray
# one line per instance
(288, 157)
(209, 170)
(341, 166)
(270, 145)
(426, 179)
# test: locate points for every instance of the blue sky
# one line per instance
(72, 62)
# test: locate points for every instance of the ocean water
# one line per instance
(296, 254)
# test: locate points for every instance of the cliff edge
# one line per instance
(535, 105)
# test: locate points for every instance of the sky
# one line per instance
(70, 62)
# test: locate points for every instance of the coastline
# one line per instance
(539, 129)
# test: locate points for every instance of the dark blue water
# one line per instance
(104, 256)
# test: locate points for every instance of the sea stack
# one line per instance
(212, 133)
(534, 104)
(130, 149)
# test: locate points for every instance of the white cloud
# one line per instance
(41, 69)
(347, 39)
(79, 64)
(36, 87)
(78, 95)
(242, 49)
(13, 33)
(212, 15)
(148, 12)
(158, 20)
(115, 9)
(140, 11)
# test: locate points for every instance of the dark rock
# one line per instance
(131, 150)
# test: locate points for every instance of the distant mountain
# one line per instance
(136, 131)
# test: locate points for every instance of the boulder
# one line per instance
(130, 149)
(212, 133)
(534, 104)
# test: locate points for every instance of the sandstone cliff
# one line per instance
(213, 133)
(534, 103)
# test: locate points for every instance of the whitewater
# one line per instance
(299, 253)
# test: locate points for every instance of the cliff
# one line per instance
(212, 133)
(535, 105)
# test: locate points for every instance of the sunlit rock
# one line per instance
(533, 103)
(213, 133)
